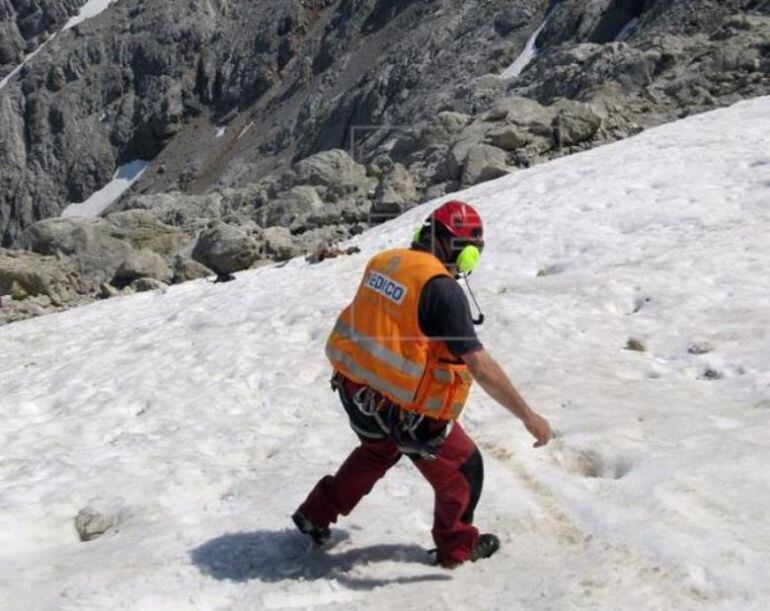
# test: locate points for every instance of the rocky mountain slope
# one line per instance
(294, 123)
(26, 24)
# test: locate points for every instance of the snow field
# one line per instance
(199, 417)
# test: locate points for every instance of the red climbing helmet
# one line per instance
(461, 220)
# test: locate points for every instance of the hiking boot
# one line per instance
(486, 545)
(319, 534)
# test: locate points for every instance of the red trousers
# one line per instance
(456, 475)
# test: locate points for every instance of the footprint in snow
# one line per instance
(590, 463)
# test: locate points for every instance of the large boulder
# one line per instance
(179, 209)
(574, 123)
(443, 128)
(95, 246)
(142, 263)
(142, 285)
(226, 249)
(144, 230)
(26, 274)
(187, 269)
(507, 137)
(524, 112)
(335, 171)
(395, 194)
(293, 205)
(280, 244)
(483, 162)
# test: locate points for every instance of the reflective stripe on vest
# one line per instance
(369, 377)
(379, 351)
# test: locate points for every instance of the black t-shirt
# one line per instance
(444, 314)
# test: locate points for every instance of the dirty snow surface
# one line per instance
(197, 419)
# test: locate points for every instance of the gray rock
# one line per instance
(297, 203)
(380, 165)
(143, 285)
(144, 230)
(523, 112)
(507, 137)
(142, 264)
(185, 211)
(396, 187)
(280, 244)
(454, 162)
(636, 344)
(26, 274)
(511, 18)
(443, 129)
(336, 171)
(700, 347)
(12, 310)
(106, 290)
(483, 163)
(187, 269)
(91, 524)
(95, 246)
(452, 122)
(574, 123)
(226, 249)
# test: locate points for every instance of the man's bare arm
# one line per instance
(491, 377)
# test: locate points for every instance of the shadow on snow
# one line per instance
(272, 556)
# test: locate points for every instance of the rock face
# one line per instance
(25, 25)
(298, 91)
(298, 122)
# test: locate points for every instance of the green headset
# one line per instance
(466, 261)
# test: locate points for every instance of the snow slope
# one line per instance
(199, 417)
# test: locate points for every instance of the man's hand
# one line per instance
(540, 429)
(493, 380)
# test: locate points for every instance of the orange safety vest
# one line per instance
(377, 340)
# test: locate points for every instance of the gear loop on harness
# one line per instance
(399, 425)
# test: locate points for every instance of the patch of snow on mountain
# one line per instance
(526, 56)
(89, 10)
(125, 176)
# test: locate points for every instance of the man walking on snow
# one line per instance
(404, 354)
